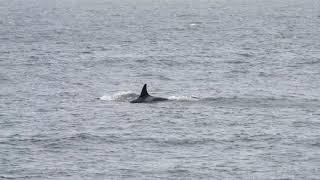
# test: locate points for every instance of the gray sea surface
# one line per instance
(242, 78)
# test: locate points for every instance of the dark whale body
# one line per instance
(146, 98)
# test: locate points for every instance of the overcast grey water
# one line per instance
(242, 78)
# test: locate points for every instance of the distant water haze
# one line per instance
(242, 79)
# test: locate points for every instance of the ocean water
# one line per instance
(242, 76)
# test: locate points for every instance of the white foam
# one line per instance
(120, 96)
(183, 98)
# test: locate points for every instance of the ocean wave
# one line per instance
(174, 141)
(57, 142)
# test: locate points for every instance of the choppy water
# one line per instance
(243, 79)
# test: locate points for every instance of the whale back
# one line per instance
(146, 98)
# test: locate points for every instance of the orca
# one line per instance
(146, 98)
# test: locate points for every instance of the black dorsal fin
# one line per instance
(144, 91)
